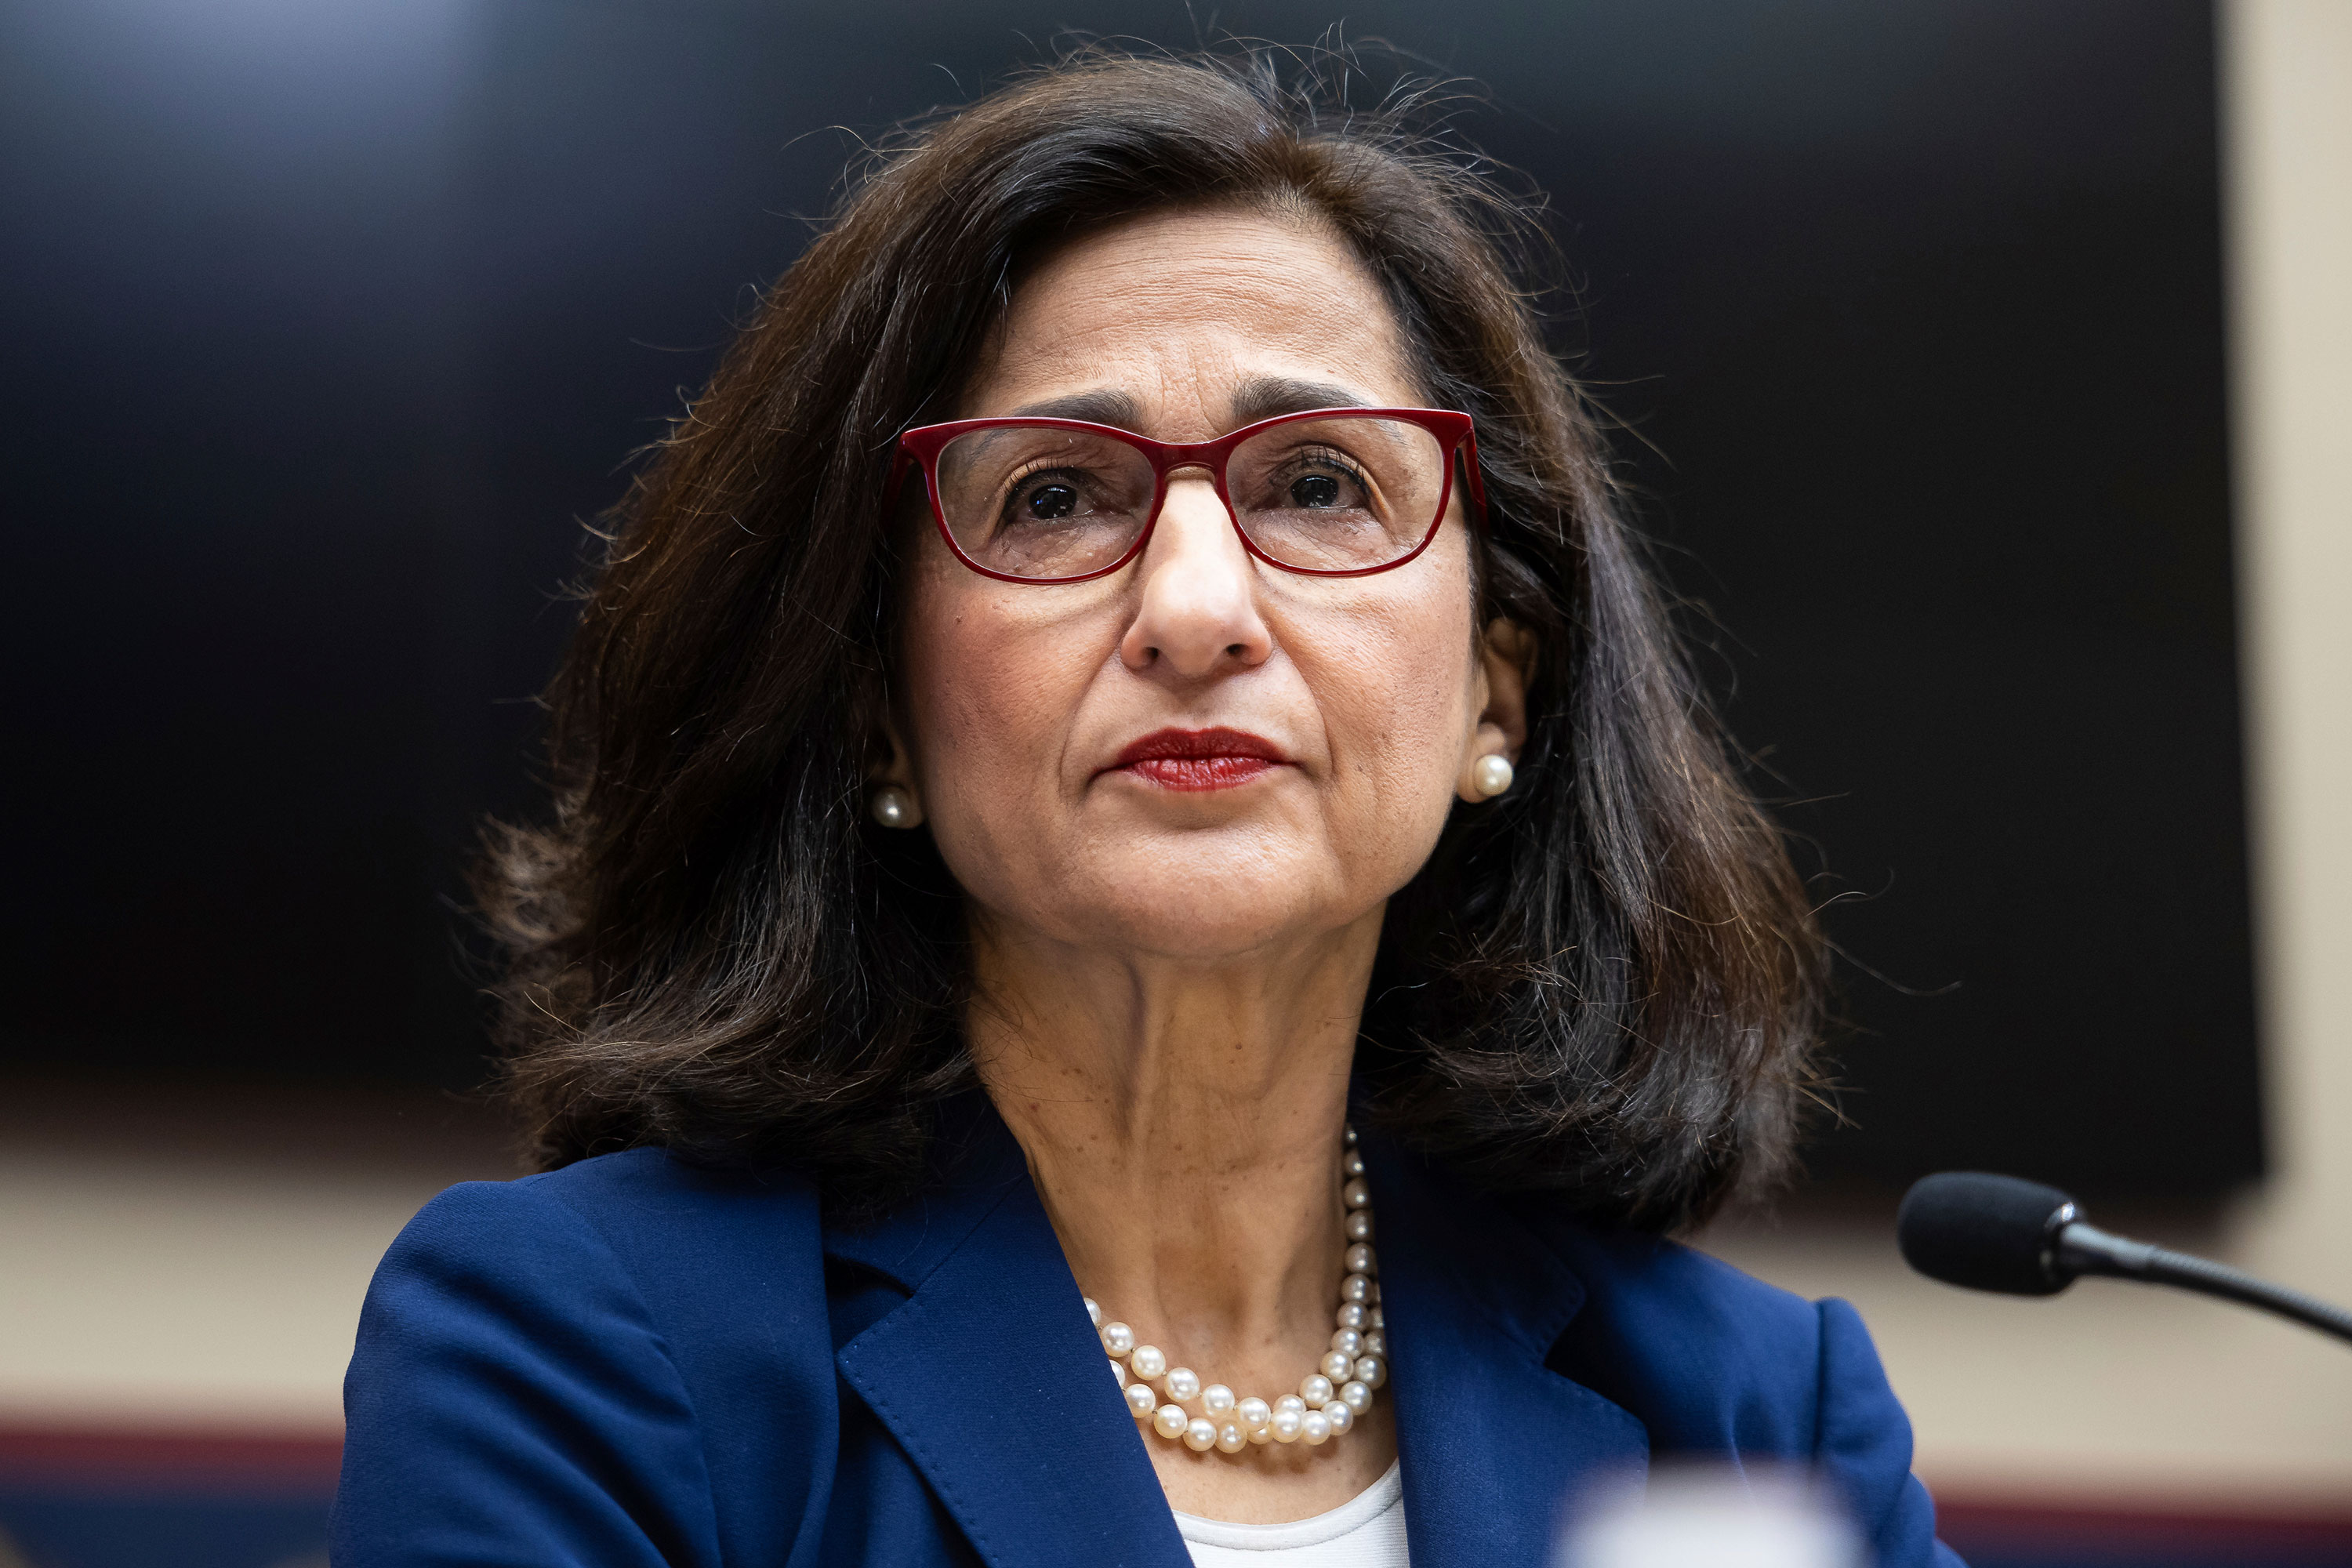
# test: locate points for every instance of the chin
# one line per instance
(1206, 897)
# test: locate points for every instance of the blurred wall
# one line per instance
(195, 1259)
(158, 1276)
(2115, 1390)
(330, 322)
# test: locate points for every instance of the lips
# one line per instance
(1199, 759)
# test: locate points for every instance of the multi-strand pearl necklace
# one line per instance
(1328, 1399)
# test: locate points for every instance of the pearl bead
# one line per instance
(1354, 1288)
(1347, 1342)
(1376, 1343)
(1118, 1338)
(1315, 1428)
(1359, 1226)
(894, 807)
(1492, 775)
(1148, 1361)
(1291, 1403)
(1336, 1367)
(1355, 1194)
(1217, 1400)
(1183, 1382)
(1340, 1416)
(1370, 1371)
(1359, 1260)
(1200, 1435)
(1378, 1321)
(1140, 1401)
(1119, 1373)
(1261, 1435)
(1231, 1438)
(1349, 1137)
(1285, 1425)
(1351, 1315)
(1094, 1312)
(1170, 1421)
(1353, 1164)
(1315, 1391)
(1356, 1396)
(1253, 1413)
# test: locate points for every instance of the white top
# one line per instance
(1366, 1532)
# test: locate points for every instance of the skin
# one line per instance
(1170, 984)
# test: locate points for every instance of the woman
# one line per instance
(1130, 667)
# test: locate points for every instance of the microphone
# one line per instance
(1985, 1232)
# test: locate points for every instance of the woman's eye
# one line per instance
(1048, 502)
(1315, 492)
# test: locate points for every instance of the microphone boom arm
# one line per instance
(2087, 1249)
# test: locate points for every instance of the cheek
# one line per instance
(988, 695)
(1395, 683)
(1401, 697)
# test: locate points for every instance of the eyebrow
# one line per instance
(1258, 397)
(1101, 407)
(1265, 396)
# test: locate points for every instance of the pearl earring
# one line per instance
(1491, 775)
(894, 807)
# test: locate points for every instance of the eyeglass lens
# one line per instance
(1338, 494)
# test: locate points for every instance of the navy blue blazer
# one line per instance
(634, 1362)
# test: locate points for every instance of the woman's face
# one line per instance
(1019, 700)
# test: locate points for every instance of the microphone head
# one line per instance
(1985, 1232)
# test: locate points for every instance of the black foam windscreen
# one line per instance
(1984, 1231)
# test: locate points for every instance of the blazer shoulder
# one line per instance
(1708, 1302)
(646, 1345)
(697, 1242)
(641, 1232)
(642, 1210)
(1717, 1362)
(653, 1192)
(1709, 1357)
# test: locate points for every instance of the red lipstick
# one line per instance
(1201, 759)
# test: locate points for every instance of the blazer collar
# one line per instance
(991, 1378)
(1495, 1443)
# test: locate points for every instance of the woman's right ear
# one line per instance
(890, 794)
(893, 800)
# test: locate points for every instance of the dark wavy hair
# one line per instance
(1605, 986)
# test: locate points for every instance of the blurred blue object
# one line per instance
(2136, 1557)
(89, 1527)
(2044, 1535)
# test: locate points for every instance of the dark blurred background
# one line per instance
(327, 326)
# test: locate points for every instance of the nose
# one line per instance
(1199, 615)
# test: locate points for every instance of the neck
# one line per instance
(1182, 1122)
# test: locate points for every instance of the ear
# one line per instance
(1507, 661)
(888, 763)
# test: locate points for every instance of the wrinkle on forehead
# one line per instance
(1193, 316)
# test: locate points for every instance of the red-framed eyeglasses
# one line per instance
(1332, 492)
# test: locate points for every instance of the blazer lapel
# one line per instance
(1495, 1443)
(991, 1377)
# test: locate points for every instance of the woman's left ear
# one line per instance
(1506, 659)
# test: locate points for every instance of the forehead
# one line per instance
(1176, 311)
